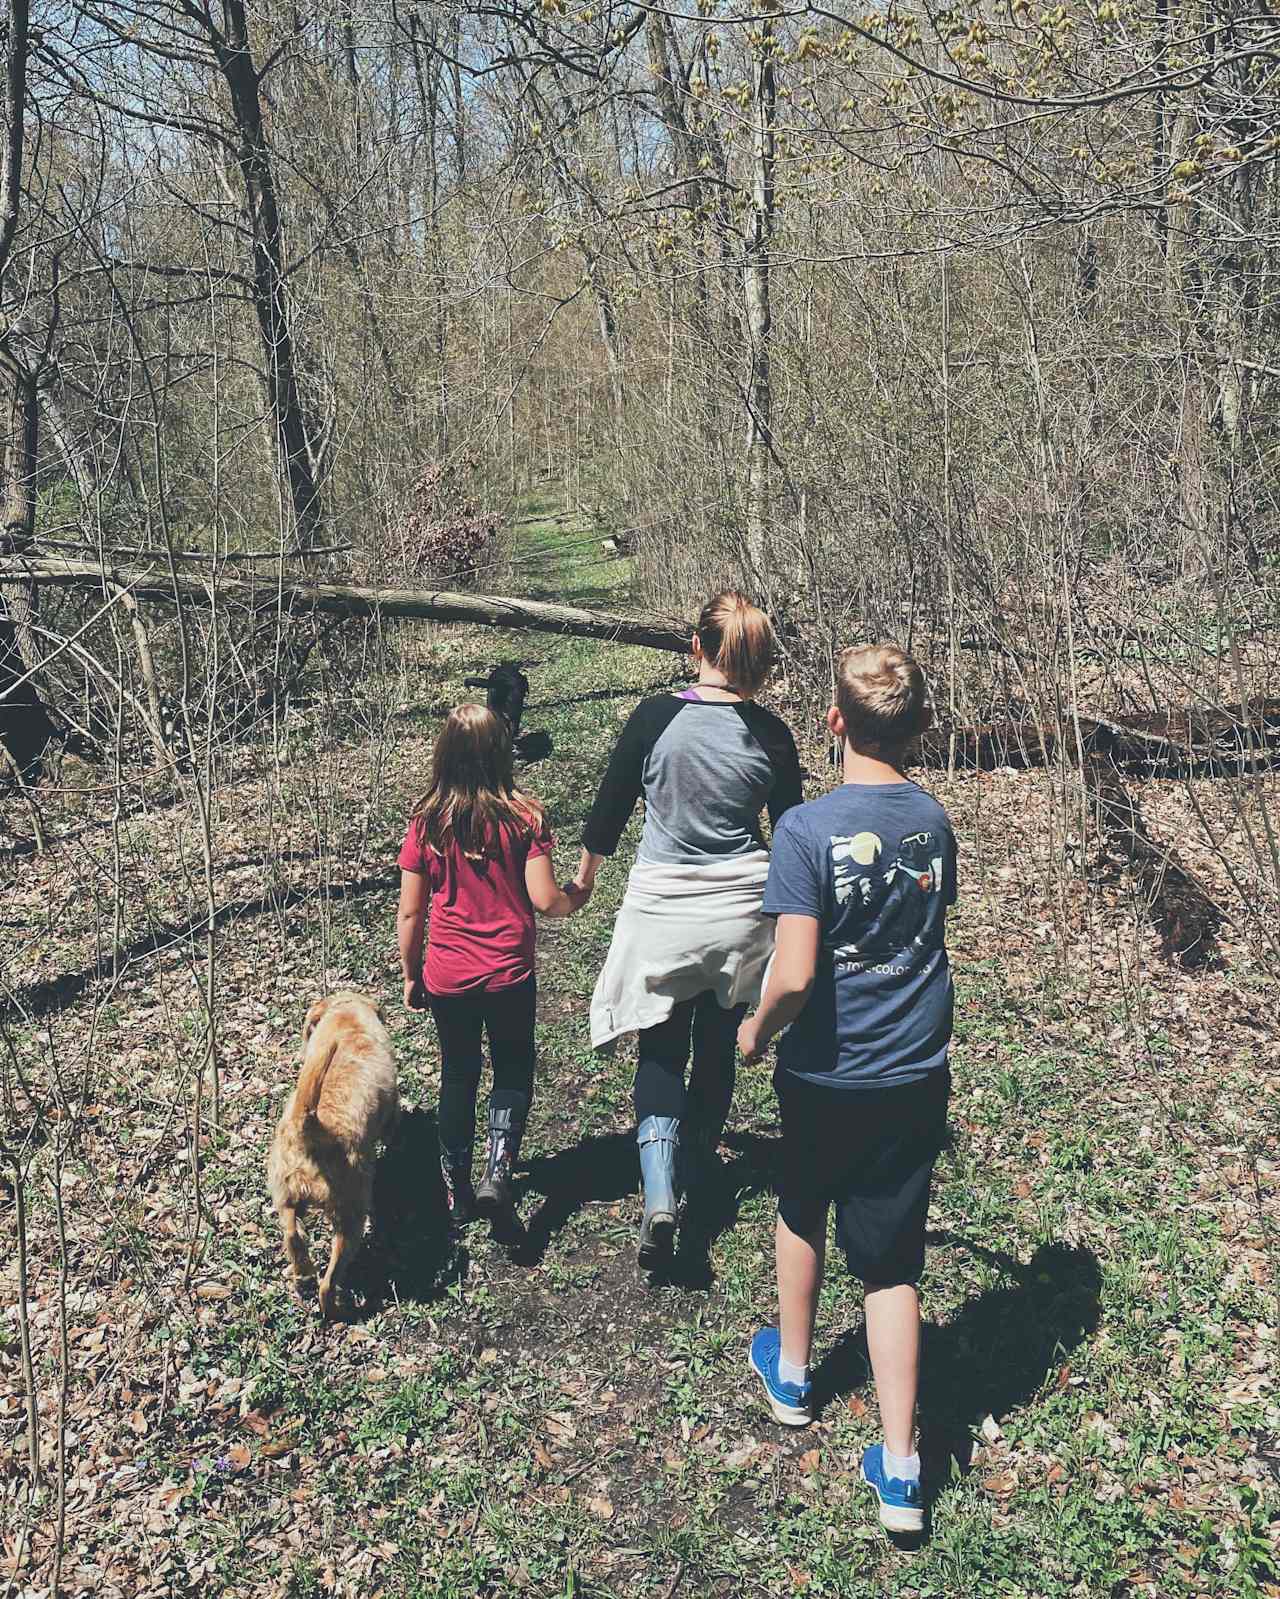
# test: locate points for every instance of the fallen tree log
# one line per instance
(1216, 741)
(156, 584)
(1179, 906)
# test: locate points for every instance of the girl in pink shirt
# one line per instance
(478, 853)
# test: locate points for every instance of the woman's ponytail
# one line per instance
(737, 639)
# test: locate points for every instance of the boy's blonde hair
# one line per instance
(881, 694)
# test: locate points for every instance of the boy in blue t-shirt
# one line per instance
(859, 883)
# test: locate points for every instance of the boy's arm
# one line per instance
(795, 965)
(411, 921)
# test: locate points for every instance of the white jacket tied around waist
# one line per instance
(682, 930)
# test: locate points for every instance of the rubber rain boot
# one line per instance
(659, 1140)
(459, 1196)
(506, 1125)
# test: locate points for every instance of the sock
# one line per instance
(906, 1468)
(787, 1372)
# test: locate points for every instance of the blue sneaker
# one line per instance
(791, 1404)
(900, 1506)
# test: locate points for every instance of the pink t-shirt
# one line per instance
(480, 932)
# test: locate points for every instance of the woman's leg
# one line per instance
(660, 1106)
(510, 1017)
(664, 1055)
(459, 1023)
(715, 1057)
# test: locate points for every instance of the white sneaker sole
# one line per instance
(788, 1415)
(895, 1518)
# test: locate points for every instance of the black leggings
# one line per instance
(507, 1015)
(712, 1031)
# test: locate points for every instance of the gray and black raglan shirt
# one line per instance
(706, 770)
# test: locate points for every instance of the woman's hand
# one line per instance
(588, 866)
(750, 1044)
(415, 994)
(578, 893)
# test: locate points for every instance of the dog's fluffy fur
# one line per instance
(324, 1149)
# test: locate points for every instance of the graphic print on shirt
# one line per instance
(888, 895)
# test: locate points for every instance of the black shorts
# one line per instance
(870, 1153)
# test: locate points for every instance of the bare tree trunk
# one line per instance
(77, 460)
(19, 652)
(14, 109)
(298, 437)
(755, 285)
(18, 599)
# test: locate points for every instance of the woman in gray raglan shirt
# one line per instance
(691, 941)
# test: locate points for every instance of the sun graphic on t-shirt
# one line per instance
(865, 848)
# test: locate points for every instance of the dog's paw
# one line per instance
(305, 1287)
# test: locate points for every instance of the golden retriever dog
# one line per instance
(323, 1152)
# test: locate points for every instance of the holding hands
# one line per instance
(578, 893)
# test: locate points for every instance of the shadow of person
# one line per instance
(593, 1171)
(607, 1168)
(995, 1353)
(712, 1209)
(411, 1250)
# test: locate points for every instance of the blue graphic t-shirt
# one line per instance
(875, 864)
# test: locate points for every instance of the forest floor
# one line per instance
(1098, 1410)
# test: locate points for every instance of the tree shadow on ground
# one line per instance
(172, 940)
(993, 1356)
(412, 1253)
(605, 1169)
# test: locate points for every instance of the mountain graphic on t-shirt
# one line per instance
(890, 896)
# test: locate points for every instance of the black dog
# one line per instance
(507, 688)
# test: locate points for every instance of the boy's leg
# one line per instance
(893, 1342)
(801, 1260)
(780, 1356)
(881, 1227)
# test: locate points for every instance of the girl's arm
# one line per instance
(795, 965)
(411, 923)
(548, 897)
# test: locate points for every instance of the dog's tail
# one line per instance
(311, 1082)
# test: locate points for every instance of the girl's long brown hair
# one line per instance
(472, 790)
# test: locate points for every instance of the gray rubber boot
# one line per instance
(659, 1141)
(506, 1127)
